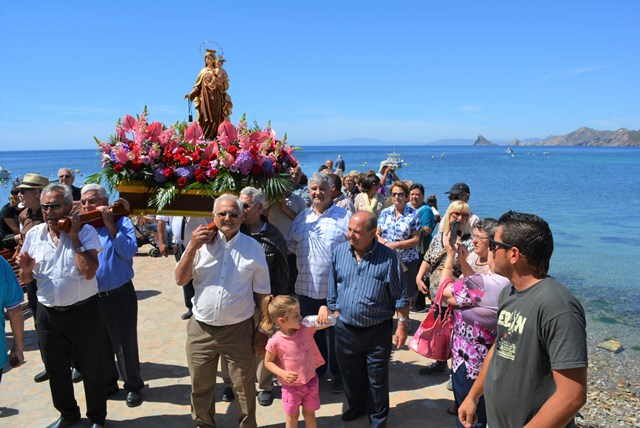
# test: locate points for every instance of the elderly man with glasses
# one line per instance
(65, 265)
(67, 176)
(231, 281)
(536, 372)
(116, 296)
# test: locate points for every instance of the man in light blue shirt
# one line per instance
(11, 298)
(116, 296)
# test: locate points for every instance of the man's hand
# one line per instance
(16, 358)
(25, 262)
(422, 286)
(323, 314)
(467, 412)
(400, 337)
(259, 343)
(202, 236)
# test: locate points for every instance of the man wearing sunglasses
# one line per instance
(67, 176)
(117, 298)
(65, 265)
(231, 282)
(536, 373)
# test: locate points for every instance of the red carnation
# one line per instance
(212, 173)
(135, 165)
(168, 172)
(184, 161)
(118, 167)
(204, 164)
(182, 182)
(256, 169)
(195, 157)
(232, 150)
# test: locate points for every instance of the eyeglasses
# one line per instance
(397, 195)
(493, 245)
(458, 214)
(231, 214)
(54, 207)
(89, 201)
(65, 176)
(479, 238)
(247, 206)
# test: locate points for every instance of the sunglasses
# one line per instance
(493, 245)
(479, 238)
(53, 207)
(89, 201)
(231, 214)
(397, 195)
(458, 214)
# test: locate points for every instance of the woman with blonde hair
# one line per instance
(432, 264)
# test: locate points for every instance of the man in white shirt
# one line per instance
(64, 263)
(231, 280)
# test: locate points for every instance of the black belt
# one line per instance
(75, 305)
(115, 290)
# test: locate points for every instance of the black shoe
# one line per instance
(337, 386)
(64, 423)
(41, 377)
(228, 395)
(76, 376)
(452, 410)
(97, 425)
(186, 315)
(134, 399)
(439, 367)
(351, 415)
(265, 398)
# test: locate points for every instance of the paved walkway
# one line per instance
(415, 400)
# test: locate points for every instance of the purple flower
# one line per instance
(244, 162)
(185, 171)
(267, 168)
(158, 173)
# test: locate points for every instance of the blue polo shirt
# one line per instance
(116, 259)
(366, 293)
(11, 295)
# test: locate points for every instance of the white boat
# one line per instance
(393, 159)
(4, 173)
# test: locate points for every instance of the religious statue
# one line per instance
(209, 95)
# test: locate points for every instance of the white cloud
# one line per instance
(571, 72)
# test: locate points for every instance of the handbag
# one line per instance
(433, 337)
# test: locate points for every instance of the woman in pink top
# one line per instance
(293, 356)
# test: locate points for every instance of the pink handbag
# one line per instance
(433, 337)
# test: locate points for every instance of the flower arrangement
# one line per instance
(169, 160)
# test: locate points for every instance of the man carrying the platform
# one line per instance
(366, 287)
(536, 372)
(117, 298)
(68, 323)
(314, 235)
(231, 281)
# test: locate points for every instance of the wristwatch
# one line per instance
(80, 249)
(404, 321)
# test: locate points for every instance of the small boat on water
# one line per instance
(4, 173)
(393, 159)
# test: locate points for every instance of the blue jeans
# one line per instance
(310, 306)
(461, 388)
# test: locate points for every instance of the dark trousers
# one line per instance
(309, 306)
(75, 331)
(363, 354)
(293, 274)
(461, 388)
(188, 291)
(119, 312)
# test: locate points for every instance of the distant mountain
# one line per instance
(590, 137)
(481, 141)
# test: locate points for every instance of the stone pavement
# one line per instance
(416, 401)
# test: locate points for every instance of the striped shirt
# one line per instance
(312, 239)
(369, 292)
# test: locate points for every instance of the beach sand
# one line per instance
(414, 399)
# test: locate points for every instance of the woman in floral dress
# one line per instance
(475, 301)
(399, 229)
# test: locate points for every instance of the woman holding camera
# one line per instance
(432, 264)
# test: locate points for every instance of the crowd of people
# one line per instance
(355, 250)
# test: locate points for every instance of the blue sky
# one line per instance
(323, 71)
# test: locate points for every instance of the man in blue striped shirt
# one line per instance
(366, 287)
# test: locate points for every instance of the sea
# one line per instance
(589, 195)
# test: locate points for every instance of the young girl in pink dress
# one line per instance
(293, 356)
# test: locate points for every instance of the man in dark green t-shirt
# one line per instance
(537, 371)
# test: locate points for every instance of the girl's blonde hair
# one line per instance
(274, 308)
(455, 206)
